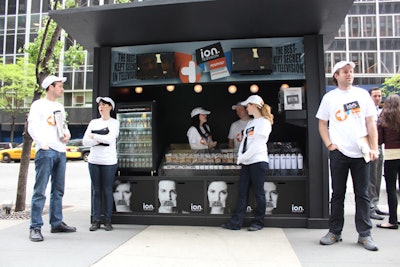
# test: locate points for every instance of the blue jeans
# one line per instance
(48, 163)
(250, 175)
(359, 170)
(392, 171)
(102, 177)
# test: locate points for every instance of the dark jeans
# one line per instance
(250, 175)
(102, 177)
(359, 170)
(392, 171)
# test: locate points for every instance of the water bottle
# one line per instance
(300, 163)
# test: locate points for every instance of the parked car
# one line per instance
(7, 145)
(15, 154)
(84, 150)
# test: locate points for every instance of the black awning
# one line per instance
(168, 21)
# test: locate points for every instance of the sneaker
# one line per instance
(253, 228)
(35, 235)
(367, 243)
(108, 227)
(94, 226)
(330, 238)
(63, 228)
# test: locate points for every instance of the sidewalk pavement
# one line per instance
(142, 245)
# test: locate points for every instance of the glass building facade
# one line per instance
(370, 37)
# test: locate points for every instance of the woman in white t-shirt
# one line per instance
(101, 135)
(199, 134)
(253, 157)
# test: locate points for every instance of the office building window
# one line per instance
(356, 58)
(389, 7)
(355, 26)
(387, 62)
(369, 26)
(397, 26)
(390, 44)
(386, 26)
(364, 8)
(12, 7)
(362, 44)
(370, 62)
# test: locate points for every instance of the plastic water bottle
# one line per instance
(300, 163)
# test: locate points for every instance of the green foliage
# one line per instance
(18, 82)
(391, 85)
(32, 49)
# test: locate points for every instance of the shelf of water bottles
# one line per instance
(285, 159)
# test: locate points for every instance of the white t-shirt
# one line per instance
(42, 126)
(196, 141)
(257, 132)
(236, 132)
(100, 154)
(346, 111)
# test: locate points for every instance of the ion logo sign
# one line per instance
(195, 207)
(148, 207)
(208, 53)
(297, 209)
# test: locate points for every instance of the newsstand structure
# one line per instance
(200, 49)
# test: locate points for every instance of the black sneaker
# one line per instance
(253, 228)
(94, 226)
(35, 235)
(108, 227)
(63, 228)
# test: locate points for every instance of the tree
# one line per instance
(391, 85)
(44, 53)
(17, 82)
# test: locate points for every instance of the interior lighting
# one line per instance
(254, 88)
(232, 89)
(198, 88)
(170, 88)
(138, 90)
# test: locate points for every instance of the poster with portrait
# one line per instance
(221, 197)
(133, 196)
(180, 197)
(283, 198)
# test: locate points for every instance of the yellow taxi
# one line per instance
(15, 154)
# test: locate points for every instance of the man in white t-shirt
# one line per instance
(236, 130)
(352, 141)
(48, 128)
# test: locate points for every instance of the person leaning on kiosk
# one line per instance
(352, 140)
(389, 134)
(47, 127)
(199, 133)
(235, 134)
(253, 156)
(101, 135)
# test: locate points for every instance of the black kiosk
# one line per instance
(201, 48)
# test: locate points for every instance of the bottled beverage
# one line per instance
(300, 163)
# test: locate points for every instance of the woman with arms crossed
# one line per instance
(101, 136)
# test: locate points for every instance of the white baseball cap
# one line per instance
(253, 99)
(199, 110)
(106, 99)
(341, 64)
(238, 104)
(51, 79)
